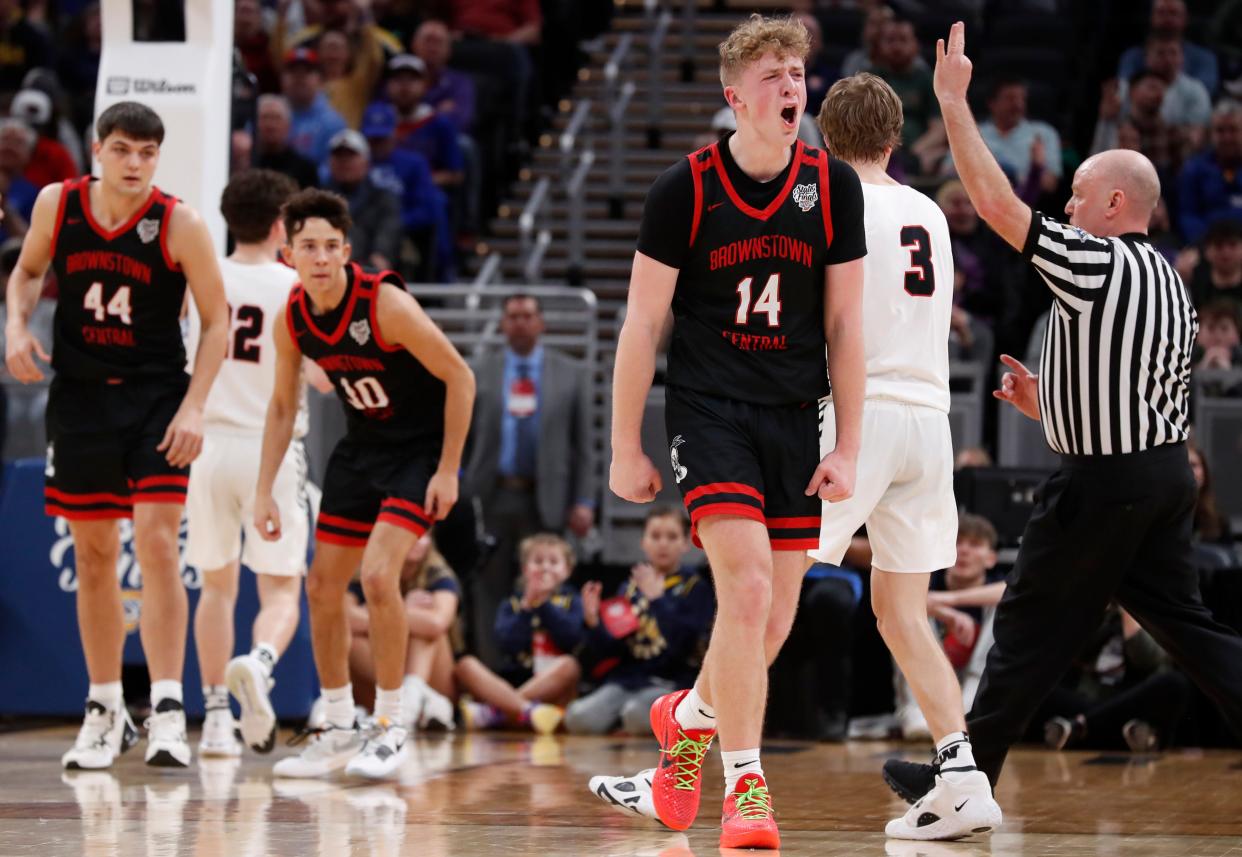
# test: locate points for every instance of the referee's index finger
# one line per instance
(957, 38)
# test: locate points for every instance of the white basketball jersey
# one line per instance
(239, 397)
(907, 297)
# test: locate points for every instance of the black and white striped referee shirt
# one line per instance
(1114, 376)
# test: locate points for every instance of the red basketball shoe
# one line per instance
(675, 788)
(747, 820)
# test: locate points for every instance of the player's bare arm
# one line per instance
(190, 246)
(833, 479)
(632, 476)
(407, 324)
(315, 376)
(25, 283)
(985, 182)
(282, 411)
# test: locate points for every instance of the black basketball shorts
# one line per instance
(102, 439)
(754, 461)
(367, 483)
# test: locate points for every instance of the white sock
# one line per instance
(215, 697)
(107, 694)
(954, 753)
(164, 689)
(739, 763)
(266, 655)
(414, 684)
(338, 706)
(693, 713)
(388, 704)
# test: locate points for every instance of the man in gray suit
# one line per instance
(530, 459)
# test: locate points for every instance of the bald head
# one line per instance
(1114, 193)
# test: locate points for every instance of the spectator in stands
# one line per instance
(431, 593)
(820, 73)
(537, 628)
(648, 639)
(1211, 183)
(496, 37)
(407, 175)
(1011, 136)
(17, 145)
(274, 152)
(869, 56)
(1168, 19)
(376, 235)
(50, 162)
(351, 69)
(78, 62)
(1210, 524)
(449, 92)
(1219, 274)
(962, 601)
(419, 127)
(1122, 692)
(981, 260)
(60, 126)
(1186, 101)
(922, 135)
(1162, 142)
(251, 38)
(529, 459)
(314, 122)
(23, 46)
(1219, 343)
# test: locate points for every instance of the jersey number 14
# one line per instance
(769, 301)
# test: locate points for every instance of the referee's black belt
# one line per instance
(1125, 460)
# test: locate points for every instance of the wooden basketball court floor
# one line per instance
(473, 794)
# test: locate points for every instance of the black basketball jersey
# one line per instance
(119, 309)
(388, 395)
(749, 302)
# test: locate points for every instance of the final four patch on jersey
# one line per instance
(148, 229)
(806, 195)
(360, 330)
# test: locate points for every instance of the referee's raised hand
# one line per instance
(952, 66)
(1019, 388)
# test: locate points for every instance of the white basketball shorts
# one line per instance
(903, 490)
(220, 507)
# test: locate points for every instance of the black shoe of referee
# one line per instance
(910, 780)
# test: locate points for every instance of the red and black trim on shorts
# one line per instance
(336, 530)
(404, 514)
(102, 505)
(744, 501)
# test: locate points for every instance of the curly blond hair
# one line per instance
(757, 36)
(860, 118)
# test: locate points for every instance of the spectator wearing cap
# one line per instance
(313, 122)
(251, 39)
(23, 46)
(1168, 18)
(50, 162)
(424, 211)
(61, 124)
(419, 127)
(1219, 273)
(1210, 187)
(17, 145)
(274, 152)
(449, 92)
(375, 238)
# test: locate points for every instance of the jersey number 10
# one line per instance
(365, 394)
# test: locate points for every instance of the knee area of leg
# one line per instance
(155, 542)
(751, 599)
(379, 585)
(322, 591)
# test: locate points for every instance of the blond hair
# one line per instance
(860, 118)
(529, 544)
(756, 36)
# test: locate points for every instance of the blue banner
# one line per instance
(42, 669)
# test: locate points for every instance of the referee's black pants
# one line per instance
(1105, 528)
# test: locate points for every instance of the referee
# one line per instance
(1112, 395)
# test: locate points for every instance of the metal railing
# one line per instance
(616, 150)
(529, 220)
(491, 272)
(575, 192)
(615, 67)
(655, 78)
(577, 131)
(688, 28)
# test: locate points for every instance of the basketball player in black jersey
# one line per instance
(756, 243)
(408, 396)
(124, 420)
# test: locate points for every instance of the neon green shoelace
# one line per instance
(687, 755)
(755, 803)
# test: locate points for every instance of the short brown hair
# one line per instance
(860, 118)
(757, 36)
(312, 202)
(131, 119)
(978, 528)
(667, 510)
(546, 540)
(252, 202)
(1221, 308)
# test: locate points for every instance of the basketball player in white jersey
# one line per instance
(220, 502)
(903, 490)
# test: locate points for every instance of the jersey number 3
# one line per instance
(769, 301)
(920, 276)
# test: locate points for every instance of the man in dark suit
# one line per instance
(530, 458)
